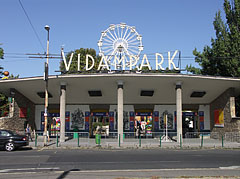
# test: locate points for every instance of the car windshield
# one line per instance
(8, 133)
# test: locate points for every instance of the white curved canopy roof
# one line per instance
(162, 84)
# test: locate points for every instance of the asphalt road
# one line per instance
(95, 163)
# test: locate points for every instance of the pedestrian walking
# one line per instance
(28, 132)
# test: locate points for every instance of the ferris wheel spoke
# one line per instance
(136, 43)
(109, 50)
(115, 34)
(122, 32)
(133, 40)
(132, 47)
(118, 32)
(129, 33)
(125, 32)
(111, 34)
(106, 47)
(129, 38)
(109, 37)
(108, 41)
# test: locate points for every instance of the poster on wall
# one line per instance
(78, 120)
(148, 125)
(166, 117)
(54, 121)
(218, 118)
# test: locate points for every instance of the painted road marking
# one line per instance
(26, 169)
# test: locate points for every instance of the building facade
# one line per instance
(115, 102)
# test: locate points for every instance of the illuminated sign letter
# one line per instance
(87, 57)
(79, 62)
(170, 60)
(146, 64)
(131, 61)
(119, 62)
(159, 64)
(67, 66)
(105, 65)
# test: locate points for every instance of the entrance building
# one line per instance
(110, 104)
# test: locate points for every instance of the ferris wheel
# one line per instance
(120, 40)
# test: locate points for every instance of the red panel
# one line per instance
(216, 116)
(22, 112)
(86, 119)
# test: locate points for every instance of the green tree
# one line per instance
(1, 57)
(4, 103)
(223, 57)
(74, 65)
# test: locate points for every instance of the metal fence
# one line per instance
(155, 139)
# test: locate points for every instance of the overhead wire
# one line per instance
(29, 20)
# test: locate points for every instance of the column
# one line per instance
(120, 111)
(62, 111)
(179, 110)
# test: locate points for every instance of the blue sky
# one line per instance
(165, 25)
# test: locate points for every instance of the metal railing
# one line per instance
(130, 139)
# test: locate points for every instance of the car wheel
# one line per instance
(9, 146)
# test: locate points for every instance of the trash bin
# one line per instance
(75, 134)
(98, 139)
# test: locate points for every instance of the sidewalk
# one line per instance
(108, 143)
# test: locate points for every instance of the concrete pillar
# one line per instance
(120, 110)
(62, 111)
(232, 107)
(179, 111)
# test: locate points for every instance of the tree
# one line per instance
(223, 57)
(74, 65)
(1, 57)
(4, 103)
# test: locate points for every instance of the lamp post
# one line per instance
(120, 49)
(47, 28)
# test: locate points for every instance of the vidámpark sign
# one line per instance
(114, 62)
(120, 47)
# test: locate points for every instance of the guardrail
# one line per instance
(155, 139)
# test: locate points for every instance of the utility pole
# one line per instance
(47, 56)
(46, 90)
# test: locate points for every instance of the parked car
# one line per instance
(10, 140)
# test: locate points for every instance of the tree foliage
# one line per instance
(1, 57)
(74, 65)
(223, 57)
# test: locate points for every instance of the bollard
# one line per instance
(180, 141)
(35, 139)
(78, 139)
(202, 141)
(119, 141)
(57, 139)
(160, 141)
(140, 140)
(222, 141)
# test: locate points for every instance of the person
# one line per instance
(138, 126)
(28, 132)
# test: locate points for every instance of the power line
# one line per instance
(31, 25)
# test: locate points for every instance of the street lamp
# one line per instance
(46, 88)
(120, 50)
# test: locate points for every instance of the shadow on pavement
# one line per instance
(64, 174)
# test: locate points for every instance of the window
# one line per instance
(4, 133)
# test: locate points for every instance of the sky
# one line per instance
(165, 25)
